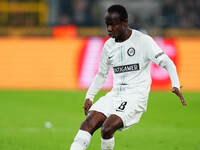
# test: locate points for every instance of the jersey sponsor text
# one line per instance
(126, 68)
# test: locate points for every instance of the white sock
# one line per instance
(107, 144)
(81, 141)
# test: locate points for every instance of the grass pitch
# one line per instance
(166, 125)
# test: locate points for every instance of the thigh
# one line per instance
(110, 125)
(93, 121)
(113, 122)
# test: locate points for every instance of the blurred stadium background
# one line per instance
(49, 54)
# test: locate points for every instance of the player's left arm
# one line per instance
(155, 54)
(167, 63)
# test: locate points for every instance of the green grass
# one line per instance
(166, 125)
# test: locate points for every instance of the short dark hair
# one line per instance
(121, 10)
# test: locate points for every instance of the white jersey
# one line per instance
(130, 62)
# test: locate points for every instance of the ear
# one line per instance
(125, 21)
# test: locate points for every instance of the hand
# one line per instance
(179, 94)
(88, 104)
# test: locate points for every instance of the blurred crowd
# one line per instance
(172, 14)
(181, 13)
(164, 14)
(78, 12)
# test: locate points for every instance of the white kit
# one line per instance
(130, 62)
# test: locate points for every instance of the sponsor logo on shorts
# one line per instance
(119, 110)
(126, 68)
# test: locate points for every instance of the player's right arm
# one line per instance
(99, 79)
(87, 105)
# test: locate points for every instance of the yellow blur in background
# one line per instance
(189, 62)
(39, 63)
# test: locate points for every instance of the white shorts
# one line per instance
(128, 107)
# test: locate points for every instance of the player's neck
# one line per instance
(124, 36)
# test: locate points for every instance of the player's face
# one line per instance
(115, 27)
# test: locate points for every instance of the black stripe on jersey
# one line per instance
(126, 68)
(159, 54)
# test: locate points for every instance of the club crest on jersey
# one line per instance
(131, 51)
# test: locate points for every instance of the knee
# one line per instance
(88, 125)
(107, 132)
